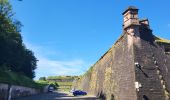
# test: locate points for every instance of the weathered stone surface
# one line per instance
(135, 68)
(3, 91)
(16, 91)
(113, 76)
(155, 64)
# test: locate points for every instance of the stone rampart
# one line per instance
(13, 91)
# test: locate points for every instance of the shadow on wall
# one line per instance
(112, 97)
(145, 97)
(102, 96)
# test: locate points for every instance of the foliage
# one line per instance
(42, 79)
(18, 79)
(63, 83)
(61, 77)
(44, 82)
(14, 56)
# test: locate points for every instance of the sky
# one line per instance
(69, 36)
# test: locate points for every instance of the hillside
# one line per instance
(63, 83)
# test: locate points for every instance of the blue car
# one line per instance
(79, 92)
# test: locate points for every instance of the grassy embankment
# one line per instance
(63, 83)
(9, 77)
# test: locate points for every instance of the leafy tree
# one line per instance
(56, 84)
(14, 56)
(42, 79)
(30, 63)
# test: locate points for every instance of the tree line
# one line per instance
(14, 56)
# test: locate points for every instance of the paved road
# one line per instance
(57, 96)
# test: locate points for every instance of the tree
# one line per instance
(42, 79)
(13, 54)
(30, 63)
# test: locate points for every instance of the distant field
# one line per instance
(63, 83)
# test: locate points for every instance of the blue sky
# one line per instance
(68, 36)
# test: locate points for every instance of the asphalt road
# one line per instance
(57, 96)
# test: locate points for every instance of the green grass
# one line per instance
(61, 86)
(9, 77)
(64, 83)
(59, 83)
(42, 82)
(61, 77)
(164, 42)
(159, 39)
(64, 86)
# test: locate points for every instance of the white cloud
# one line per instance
(47, 67)
(41, 50)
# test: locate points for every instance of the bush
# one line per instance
(9, 77)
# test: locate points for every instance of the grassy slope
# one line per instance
(61, 77)
(159, 39)
(18, 79)
(63, 86)
(164, 42)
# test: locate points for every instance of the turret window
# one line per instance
(133, 16)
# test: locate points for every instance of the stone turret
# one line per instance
(131, 22)
(130, 17)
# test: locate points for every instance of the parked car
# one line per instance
(79, 92)
(50, 89)
(72, 90)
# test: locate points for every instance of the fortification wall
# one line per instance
(3, 91)
(135, 68)
(117, 76)
(16, 91)
(113, 76)
(155, 65)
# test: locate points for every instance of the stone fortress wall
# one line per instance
(137, 67)
(14, 91)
